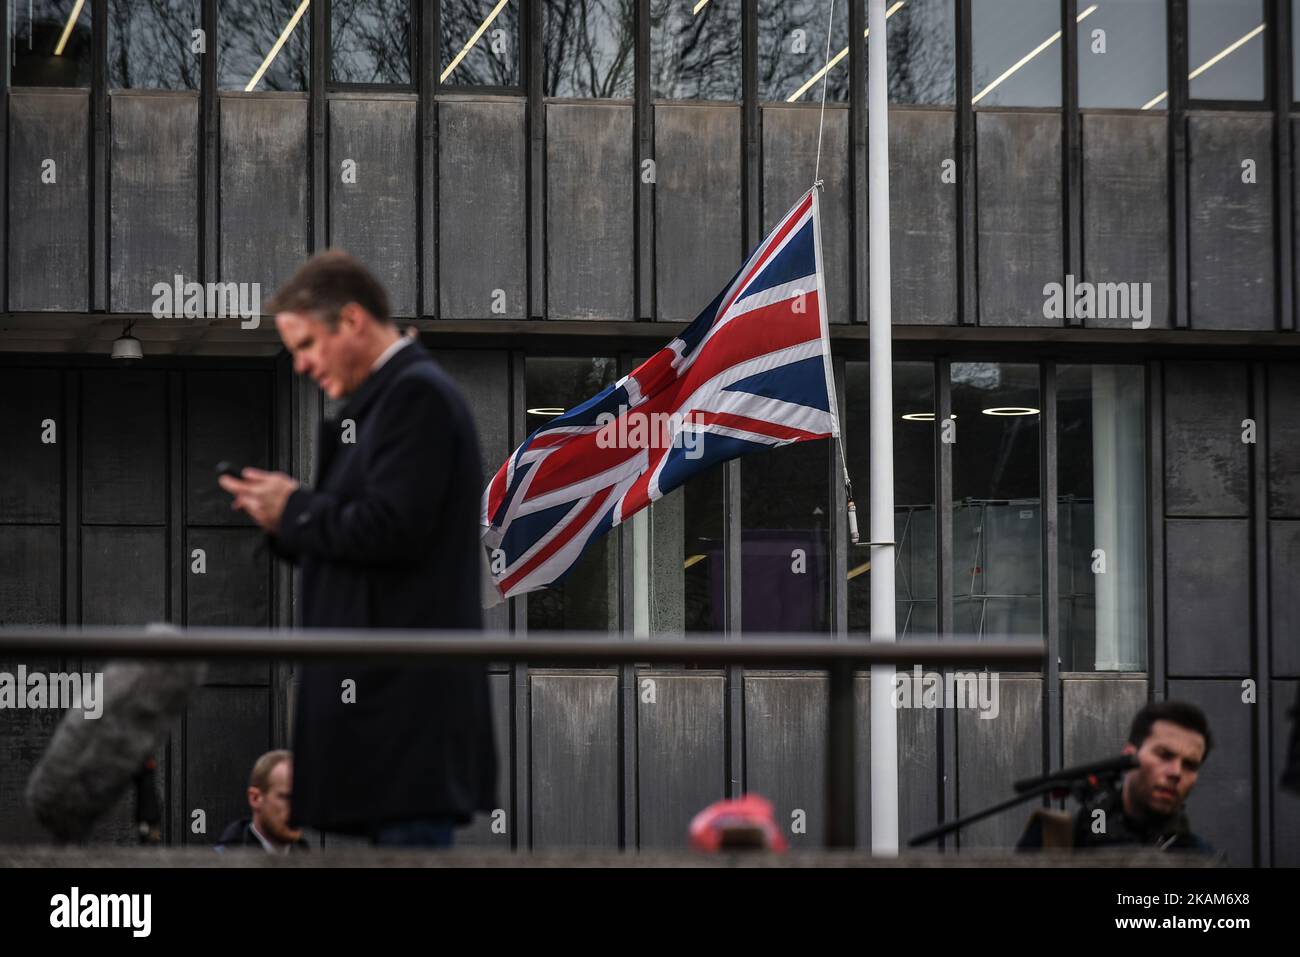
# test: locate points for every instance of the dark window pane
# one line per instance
(151, 45)
(480, 43)
(263, 44)
(1225, 49)
(49, 43)
(996, 563)
(587, 599)
(695, 49)
(922, 52)
(1101, 517)
(1122, 55)
(792, 51)
(1295, 49)
(915, 581)
(370, 41)
(785, 543)
(1016, 52)
(589, 48)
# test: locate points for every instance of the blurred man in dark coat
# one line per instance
(388, 538)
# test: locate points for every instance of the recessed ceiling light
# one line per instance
(923, 416)
(1010, 410)
(546, 410)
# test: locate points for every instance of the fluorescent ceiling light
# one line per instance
(472, 40)
(695, 13)
(546, 410)
(1027, 57)
(1010, 410)
(1210, 62)
(694, 559)
(855, 572)
(835, 59)
(67, 30)
(275, 50)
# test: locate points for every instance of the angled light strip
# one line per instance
(835, 59)
(1210, 62)
(67, 31)
(695, 13)
(855, 572)
(472, 40)
(1027, 57)
(275, 50)
(694, 559)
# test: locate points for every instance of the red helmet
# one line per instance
(747, 822)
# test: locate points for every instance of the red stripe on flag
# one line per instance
(760, 426)
(559, 541)
(777, 237)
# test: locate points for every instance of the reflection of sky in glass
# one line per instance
(1214, 25)
(1131, 71)
(45, 49)
(589, 48)
(922, 52)
(370, 41)
(149, 44)
(247, 31)
(493, 60)
(792, 49)
(1004, 31)
(695, 55)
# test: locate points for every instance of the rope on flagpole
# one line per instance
(826, 73)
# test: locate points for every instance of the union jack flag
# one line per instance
(751, 372)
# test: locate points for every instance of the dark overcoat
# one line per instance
(389, 538)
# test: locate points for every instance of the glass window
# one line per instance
(921, 35)
(1016, 52)
(154, 45)
(785, 540)
(1225, 49)
(590, 47)
(1122, 55)
(263, 44)
(480, 43)
(678, 580)
(1101, 483)
(587, 599)
(996, 522)
(370, 41)
(695, 49)
(792, 51)
(49, 43)
(915, 582)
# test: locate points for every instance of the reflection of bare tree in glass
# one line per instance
(371, 41)
(782, 69)
(150, 44)
(482, 65)
(922, 61)
(246, 32)
(695, 56)
(589, 46)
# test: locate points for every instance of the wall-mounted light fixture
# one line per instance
(127, 346)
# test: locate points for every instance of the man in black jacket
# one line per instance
(269, 797)
(388, 538)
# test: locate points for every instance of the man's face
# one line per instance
(334, 358)
(271, 807)
(1169, 761)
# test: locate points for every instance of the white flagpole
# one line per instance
(884, 719)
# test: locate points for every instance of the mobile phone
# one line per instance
(229, 468)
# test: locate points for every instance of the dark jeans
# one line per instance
(421, 832)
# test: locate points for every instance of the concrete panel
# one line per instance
(31, 575)
(228, 417)
(124, 447)
(226, 731)
(1207, 597)
(789, 155)
(482, 212)
(698, 243)
(922, 218)
(123, 576)
(32, 489)
(49, 222)
(1221, 807)
(994, 752)
(785, 751)
(1284, 440)
(1096, 714)
(589, 228)
(1229, 221)
(234, 590)
(486, 831)
(1019, 197)
(1284, 597)
(1126, 209)
(376, 217)
(1286, 809)
(1207, 466)
(154, 194)
(575, 765)
(264, 174)
(681, 752)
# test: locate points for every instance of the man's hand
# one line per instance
(261, 495)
